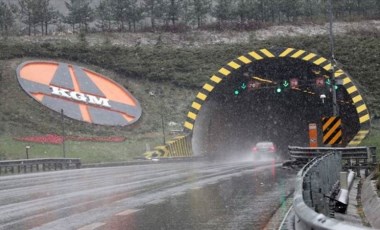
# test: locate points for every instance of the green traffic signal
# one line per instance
(278, 90)
(285, 83)
(244, 86)
(236, 92)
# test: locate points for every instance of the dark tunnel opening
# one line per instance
(262, 102)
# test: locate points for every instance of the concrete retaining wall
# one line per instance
(371, 202)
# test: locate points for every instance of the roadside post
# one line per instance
(27, 151)
(313, 135)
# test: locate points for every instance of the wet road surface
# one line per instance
(187, 195)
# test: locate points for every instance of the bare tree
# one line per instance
(154, 9)
(119, 13)
(80, 13)
(104, 14)
(290, 9)
(28, 13)
(242, 10)
(172, 11)
(223, 11)
(200, 9)
(7, 16)
(134, 14)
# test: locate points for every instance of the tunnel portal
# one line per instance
(272, 95)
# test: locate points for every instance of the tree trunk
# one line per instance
(153, 22)
(29, 25)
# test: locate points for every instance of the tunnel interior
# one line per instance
(269, 100)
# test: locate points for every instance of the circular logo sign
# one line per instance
(80, 93)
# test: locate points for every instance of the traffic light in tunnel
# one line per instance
(278, 89)
(242, 86)
(285, 83)
(328, 82)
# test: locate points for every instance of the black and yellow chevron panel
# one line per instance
(332, 130)
(262, 54)
(179, 146)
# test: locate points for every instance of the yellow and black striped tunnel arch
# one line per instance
(363, 118)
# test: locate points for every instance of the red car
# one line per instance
(264, 150)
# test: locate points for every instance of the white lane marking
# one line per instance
(285, 218)
(92, 226)
(156, 201)
(127, 212)
(195, 188)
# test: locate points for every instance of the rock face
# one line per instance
(371, 202)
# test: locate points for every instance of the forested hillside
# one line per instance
(43, 17)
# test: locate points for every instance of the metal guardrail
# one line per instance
(313, 181)
(144, 161)
(31, 165)
(364, 152)
(352, 157)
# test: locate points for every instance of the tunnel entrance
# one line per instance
(273, 99)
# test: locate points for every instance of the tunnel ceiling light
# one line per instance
(262, 79)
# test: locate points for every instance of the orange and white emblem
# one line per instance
(81, 93)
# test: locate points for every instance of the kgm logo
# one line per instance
(81, 93)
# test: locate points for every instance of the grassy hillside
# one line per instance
(177, 72)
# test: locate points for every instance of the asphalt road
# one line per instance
(186, 195)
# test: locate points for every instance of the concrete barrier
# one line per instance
(371, 202)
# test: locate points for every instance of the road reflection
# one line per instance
(241, 202)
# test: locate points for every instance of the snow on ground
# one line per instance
(200, 38)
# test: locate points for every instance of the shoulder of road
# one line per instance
(363, 209)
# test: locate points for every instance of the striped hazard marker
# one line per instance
(332, 130)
